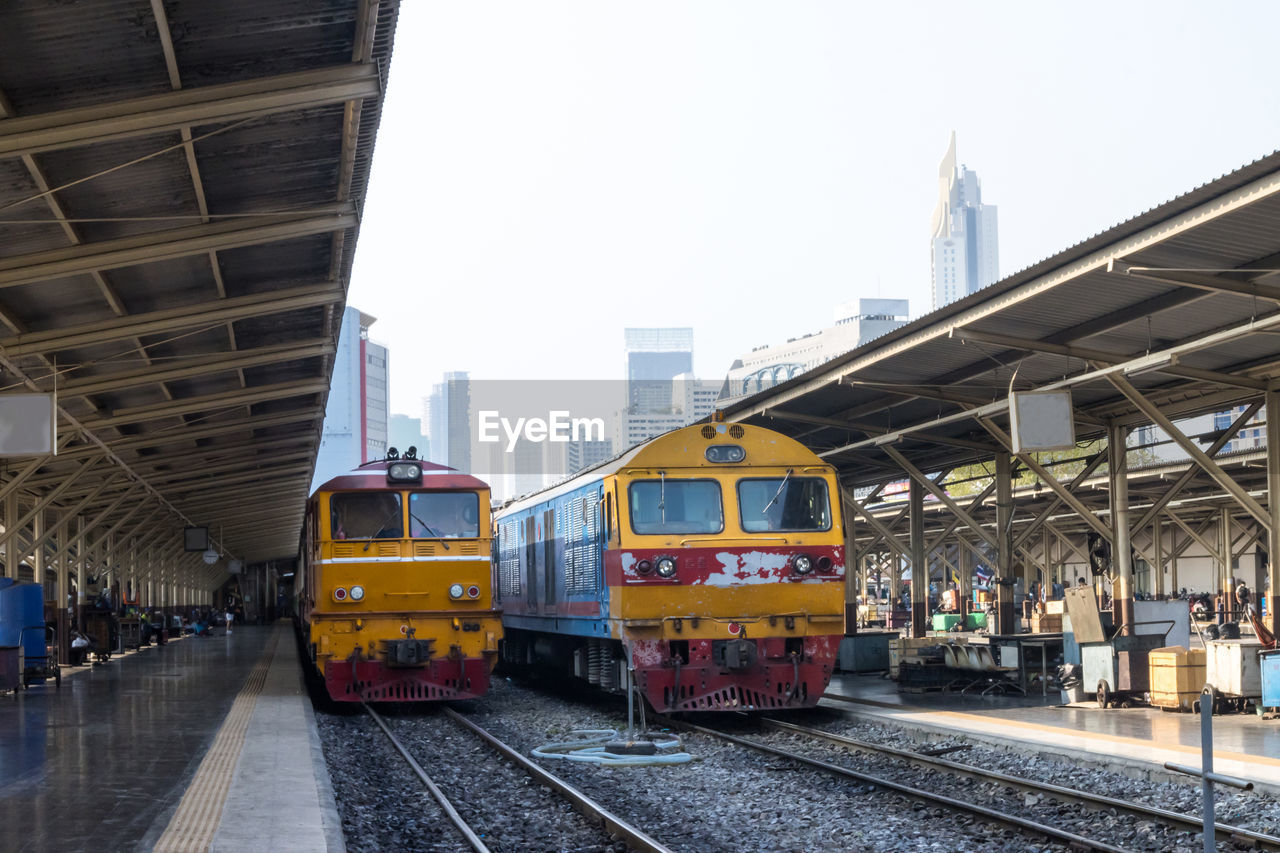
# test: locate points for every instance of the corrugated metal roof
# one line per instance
(134, 280)
(1011, 335)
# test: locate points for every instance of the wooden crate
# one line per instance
(1177, 676)
(1046, 623)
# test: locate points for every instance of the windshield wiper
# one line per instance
(431, 530)
(662, 497)
(774, 499)
(381, 525)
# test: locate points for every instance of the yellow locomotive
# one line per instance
(707, 563)
(394, 593)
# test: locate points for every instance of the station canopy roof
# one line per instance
(1181, 304)
(180, 193)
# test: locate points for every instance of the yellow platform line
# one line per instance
(192, 827)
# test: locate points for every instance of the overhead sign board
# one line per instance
(28, 424)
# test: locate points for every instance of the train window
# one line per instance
(366, 515)
(783, 503)
(444, 515)
(676, 506)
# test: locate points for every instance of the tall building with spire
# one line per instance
(965, 249)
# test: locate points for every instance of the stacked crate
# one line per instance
(1177, 677)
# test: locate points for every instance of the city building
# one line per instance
(406, 432)
(856, 322)
(965, 249)
(662, 393)
(356, 416)
(654, 358)
(448, 413)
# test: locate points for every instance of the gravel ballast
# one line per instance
(729, 798)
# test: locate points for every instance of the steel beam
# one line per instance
(173, 243)
(169, 320)
(199, 366)
(918, 476)
(1273, 510)
(210, 402)
(919, 562)
(1109, 358)
(1118, 473)
(1188, 475)
(202, 105)
(1193, 450)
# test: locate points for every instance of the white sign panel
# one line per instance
(1041, 420)
(28, 424)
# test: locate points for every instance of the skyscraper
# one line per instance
(356, 414)
(965, 250)
(654, 358)
(448, 413)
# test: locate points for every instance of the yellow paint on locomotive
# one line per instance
(406, 585)
(679, 611)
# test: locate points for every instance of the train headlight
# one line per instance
(404, 472)
(357, 593)
(719, 454)
(802, 564)
(340, 594)
(455, 591)
(666, 566)
(473, 591)
(644, 567)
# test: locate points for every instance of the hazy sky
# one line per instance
(549, 173)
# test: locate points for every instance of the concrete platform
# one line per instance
(1140, 739)
(207, 743)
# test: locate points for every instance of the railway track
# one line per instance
(600, 817)
(1072, 840)
(1190, 823)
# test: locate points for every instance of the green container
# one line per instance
(946, 621)
(977, 620)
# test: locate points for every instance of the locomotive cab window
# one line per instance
(366, 515)
(444, 515)
(784, 503)
(676, 506)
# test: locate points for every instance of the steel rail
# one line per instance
(1223, 832)
(1073, 841)
(635, 838)
(458, 821)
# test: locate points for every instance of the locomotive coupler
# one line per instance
(408, 652)
(739, 655)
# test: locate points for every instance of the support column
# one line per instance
(851, 572)
(1121, 560)
(964, 566)
(1157, 549)
(919, 567)
(1005, 621)
(1273, 509)
(11, 547)
(1224, 574)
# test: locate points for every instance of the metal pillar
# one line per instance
(919, 566)
(11, 547)
(1273, 508)
(1005, 621)
(1121, 559)
(1157, 548)
(850, 576)
(964, 566)
(1225, 581)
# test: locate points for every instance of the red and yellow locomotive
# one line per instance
(394, 587)
(706, 563)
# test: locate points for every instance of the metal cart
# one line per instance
(42, 667)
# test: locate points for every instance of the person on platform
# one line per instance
(231, 618)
